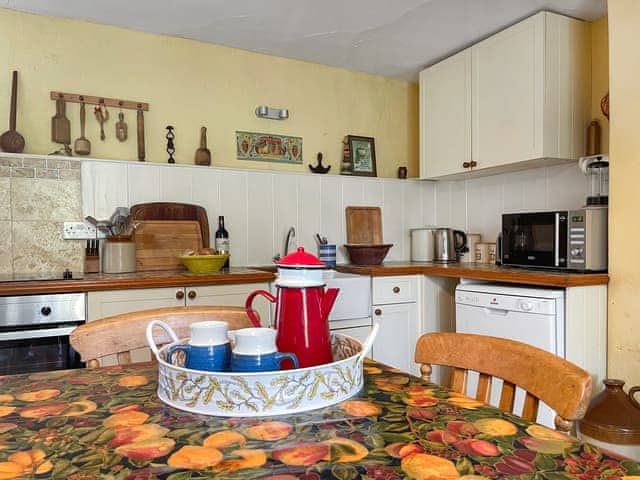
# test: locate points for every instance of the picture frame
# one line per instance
(363, 155)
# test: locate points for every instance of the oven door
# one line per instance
(535, 239)
(37, 349)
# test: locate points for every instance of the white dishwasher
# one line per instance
(529, 315)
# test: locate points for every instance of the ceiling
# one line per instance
(394, 38)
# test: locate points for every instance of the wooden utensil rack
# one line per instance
(93, 100)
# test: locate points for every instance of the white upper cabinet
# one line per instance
(528, 104)
(445, 116)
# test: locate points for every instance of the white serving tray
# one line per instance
(281, 392)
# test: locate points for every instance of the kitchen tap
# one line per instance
(291, 234)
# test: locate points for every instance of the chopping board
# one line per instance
(364, 225)
(160, 242)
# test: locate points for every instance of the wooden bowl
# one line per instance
(203, 263)
(367, 253)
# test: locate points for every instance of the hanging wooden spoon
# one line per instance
(82, 145)
(122, 129)
(11, 141)
(203, 155)
(102, 115)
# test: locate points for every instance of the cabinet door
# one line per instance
(445, 116)
(508, 82)
(230, 295)
(114, 302)
(395, 344)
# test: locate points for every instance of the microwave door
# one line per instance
(534, 239)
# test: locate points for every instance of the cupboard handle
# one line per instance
(179, 295)
(466, 165)
(396, 289)
(377, 311)
(473, 164)
(192, 294)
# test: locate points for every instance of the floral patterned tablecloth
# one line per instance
(109, 424)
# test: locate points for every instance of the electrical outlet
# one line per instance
(80, 231)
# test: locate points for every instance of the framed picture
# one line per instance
(363, 155)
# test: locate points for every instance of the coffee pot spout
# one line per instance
(328, 299)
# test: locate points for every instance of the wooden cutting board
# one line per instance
(160, 242)
(364, 225)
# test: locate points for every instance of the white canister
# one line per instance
(482, 252)
(470, 255)
(422, 244)
(492, 253)
(119, 255)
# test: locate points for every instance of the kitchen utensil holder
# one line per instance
(261, 393)
(93, 100)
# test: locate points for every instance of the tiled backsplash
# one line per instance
(260, 206)
(475, 205)
(36, 196)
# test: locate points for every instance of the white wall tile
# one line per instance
(443, 204)
(459, 205)
(352, 192)
(331, 213)
(393, 223)
(428, 190)
(285, 215)
(372, 193)
(109, 188)
(234, 207)
(206, 192)
(484, 206)
(175, 184)
(566, 187)
(534, 185)
(260, 219)
(309, 211)
(143, 183)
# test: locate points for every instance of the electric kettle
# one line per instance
(448, 244)
(302, 309)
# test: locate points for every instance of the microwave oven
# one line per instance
(564, 239)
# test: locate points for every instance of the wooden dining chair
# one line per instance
(98, 342)
(565, 387)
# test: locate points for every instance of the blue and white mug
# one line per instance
(255, 351)
(208, 349)
(327, 253)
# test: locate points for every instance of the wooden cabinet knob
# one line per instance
(396, 289)
(179, 295)
(466, 165)
(377, 311)
(192, 294)
(473, 164)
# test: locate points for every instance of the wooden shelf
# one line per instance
(93, 100)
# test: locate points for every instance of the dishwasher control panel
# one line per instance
(507, 302)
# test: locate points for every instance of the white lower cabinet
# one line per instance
(114, 302)
(395, 310)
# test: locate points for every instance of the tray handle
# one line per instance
(151, 341)
(368, 343)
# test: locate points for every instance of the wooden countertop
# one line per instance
(487, 272)
(124, 281)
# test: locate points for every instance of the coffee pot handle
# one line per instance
(247, 305)
(632, 393)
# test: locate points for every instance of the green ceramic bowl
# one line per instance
(204, 263)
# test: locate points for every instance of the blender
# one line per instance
(596, 169)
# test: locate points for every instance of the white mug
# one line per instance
(211, 332)
(254, 341)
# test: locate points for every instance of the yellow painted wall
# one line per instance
(624, 222)
(600, 75)
(190, 84)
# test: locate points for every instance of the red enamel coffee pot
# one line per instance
(302, 309)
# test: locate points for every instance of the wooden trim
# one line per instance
(487, 272)
(93, 282)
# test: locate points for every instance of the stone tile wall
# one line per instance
(36, 196)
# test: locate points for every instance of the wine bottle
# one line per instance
(222, 240)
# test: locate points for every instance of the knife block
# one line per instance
(91, 264)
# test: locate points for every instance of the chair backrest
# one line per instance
(565, 387)
(173, 211)
(123, 333)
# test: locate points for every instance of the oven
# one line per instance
(565, 240)
(35, 329)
